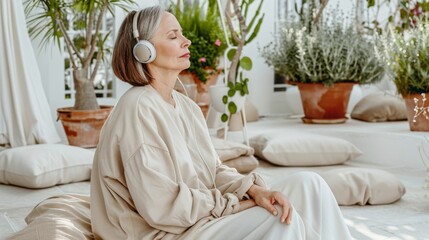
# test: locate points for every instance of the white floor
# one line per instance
(388, 146)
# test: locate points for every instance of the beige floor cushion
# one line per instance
(287, 148)
(352, 185)
(380, 107)
(45, 165)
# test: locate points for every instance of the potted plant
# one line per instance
(201, 25)
(242, 29)
(324, 62)
(50, 19)
(406, 55)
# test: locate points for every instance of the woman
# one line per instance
(156, 174)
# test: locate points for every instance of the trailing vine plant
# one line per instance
(236, 11)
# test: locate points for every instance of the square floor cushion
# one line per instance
(287, 148)
(379, 107)
(361, 186)
(45, 165)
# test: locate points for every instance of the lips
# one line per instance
(186, 55)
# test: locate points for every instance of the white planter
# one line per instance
(216, 94)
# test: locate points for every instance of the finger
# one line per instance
(285, 212)
(289, 216)
(284, 204)
(286, 207)
(269, 207)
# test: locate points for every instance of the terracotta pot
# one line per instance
(82, 127)
(416, 109)
(323, 104)
(187, 77)
(203, 96)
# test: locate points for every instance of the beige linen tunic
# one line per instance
(153, 171)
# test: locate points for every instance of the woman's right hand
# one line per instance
(245, 204)
(267, 199)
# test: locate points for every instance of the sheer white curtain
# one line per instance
(25, 117)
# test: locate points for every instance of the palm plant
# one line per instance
(50, 20)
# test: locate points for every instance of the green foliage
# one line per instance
(242, 33)
(253, 29)
(51, 23)
(370, 3)
(201, 25)
(305, 11)
(334, 52)
(49, 19)
(405, 15)
(245, 32)
(407, 57)
(245, 62)
(239, 87)
(410, 12)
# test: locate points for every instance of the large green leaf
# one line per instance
(246, 63)
(224, 117)
(225, 99)
(231, 92)
(232, 107)
(231, 54)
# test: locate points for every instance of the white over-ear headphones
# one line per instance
(143, 51)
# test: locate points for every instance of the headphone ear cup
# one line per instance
(144, 51)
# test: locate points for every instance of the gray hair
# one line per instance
(148, 21)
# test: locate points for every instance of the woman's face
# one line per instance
(171, 46)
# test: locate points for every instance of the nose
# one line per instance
(186, 42)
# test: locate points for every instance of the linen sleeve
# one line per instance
(228, 180)
(165, 203)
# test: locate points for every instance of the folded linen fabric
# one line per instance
(243, 164)
(60, 217)
(235, 155)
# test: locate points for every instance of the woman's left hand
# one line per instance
(266, 199)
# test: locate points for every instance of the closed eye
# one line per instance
(173, 34)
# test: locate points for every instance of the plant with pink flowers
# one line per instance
(202, 26)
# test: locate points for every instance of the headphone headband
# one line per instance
(135, 30)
